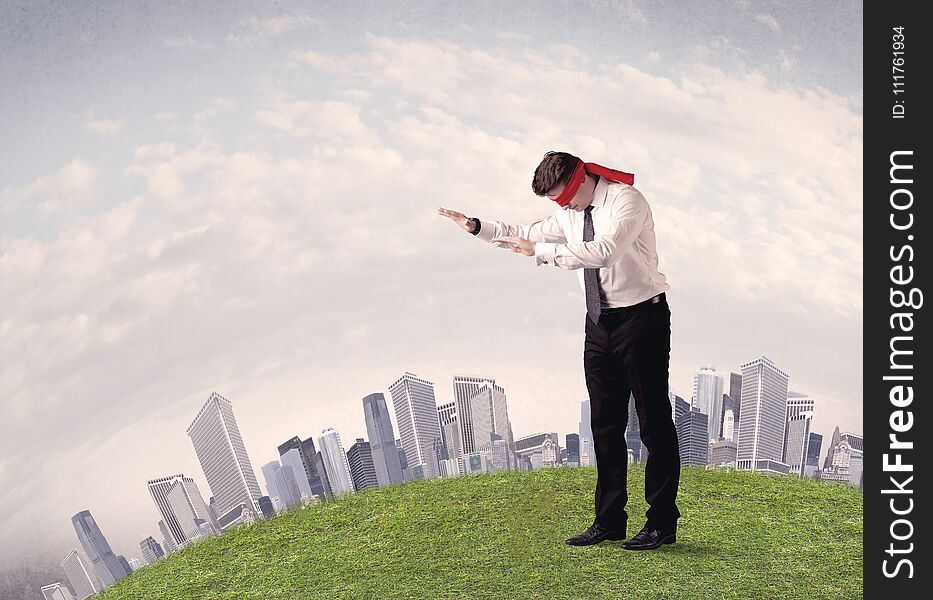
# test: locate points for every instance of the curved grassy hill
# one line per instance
(741, 535)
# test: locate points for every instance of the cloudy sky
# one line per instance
(242, 200)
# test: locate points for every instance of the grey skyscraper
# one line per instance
(797, 436)
(813, 454)
(693, 438)
(416, 416)
(362, 470)
(450, 433)
(325, 478)
(189, 509)
(158, 489)
(109, 567)
(633, 433)
(381, 440)
(681, 407)
(83, 579)
(268, 473)
(151, 550)
(168, 540)
(293, 459)
(572, 441)
(335, 461)
(286, 482)
(707, 394)
(217, 442)
(489, 414)
(586, 431)
(481, 409)
(308, 465)
(763, 418)
(180, 518)
(735, 392)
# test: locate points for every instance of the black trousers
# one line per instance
(628, 351)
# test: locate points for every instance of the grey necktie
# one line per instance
(591, 276)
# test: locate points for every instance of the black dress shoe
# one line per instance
(650, 538)
(594, 535)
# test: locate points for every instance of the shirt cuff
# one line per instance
(487, 231)
(544, 253)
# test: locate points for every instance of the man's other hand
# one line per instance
(459, 218)
(519, 244)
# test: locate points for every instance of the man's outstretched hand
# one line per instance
(459, 218)
(519, 244)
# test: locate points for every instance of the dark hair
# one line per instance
(555, 168)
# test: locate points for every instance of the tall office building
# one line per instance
(693, 437)
(735, 392)
(158, 489)
(572, 441)
(450, 434)
(151, 550)
(335, 461)
(293, 459)
(381, 440)
(586, 435)
(728, 425)
(633, 433)
(84, 581)
(307, 467)
(168, 540)
(362, 470)
(108, 566)
(286, 482)
(681, 407)
(181, 518)
(217, 442)
(707, 397)
(814, 445)
(416, 417)
(797, 404)
(481, 409)
(56, 591)
(490, 415)
(797, 436)
(187, 505)
(325, 478)
(763, 417)
(268, 474)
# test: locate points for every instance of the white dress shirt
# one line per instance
(623, 246)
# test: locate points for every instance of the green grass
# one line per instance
(741, 535)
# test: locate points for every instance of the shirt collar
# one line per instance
(599, 192)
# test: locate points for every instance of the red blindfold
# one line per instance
(579, 173)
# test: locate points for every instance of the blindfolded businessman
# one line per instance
(603, 229)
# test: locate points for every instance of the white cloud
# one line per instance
(217, 106)
(654, 56)
(105, 127)
(325, 120)
(69, 188)
(768, 21)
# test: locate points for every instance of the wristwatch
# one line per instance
(474, 225)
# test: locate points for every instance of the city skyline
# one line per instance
(694, 451)
(176, 220)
